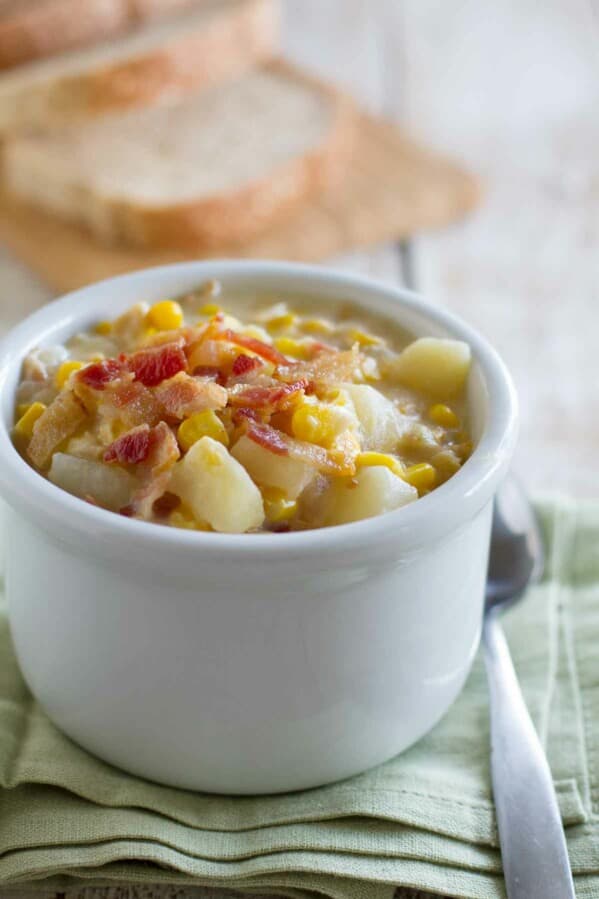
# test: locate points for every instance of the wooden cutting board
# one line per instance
(394, 188)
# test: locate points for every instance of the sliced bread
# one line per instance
(214, 169)
(33, 29)
(162, 60)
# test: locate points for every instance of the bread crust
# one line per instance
(47, 27)
(224, 218)
(223, 47)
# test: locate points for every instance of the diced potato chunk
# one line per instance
(217, 488)
(381, 424)
(377, 490)
(436, 366)
(111, 487)
(270, 470)
(39, 363)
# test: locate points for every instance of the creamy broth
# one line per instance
(246, 413)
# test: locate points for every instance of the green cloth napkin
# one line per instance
(424, 819)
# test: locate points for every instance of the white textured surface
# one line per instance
(512, 90)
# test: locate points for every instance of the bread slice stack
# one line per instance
(30, 29)
(162, 123)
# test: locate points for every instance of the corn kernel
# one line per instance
(201, 424)
(290, 347)
(103, 328)
(182, 517)
(444, 416)
(317, 326)
(24, 426)
(97, 357)
(314, 423)
(384, 459)
(332, 395)
(358, 336)
(422, 476)
(210, 309)
(165, 316)
(277, 505)
(64, 372)
(279, 322)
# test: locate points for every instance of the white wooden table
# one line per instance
(512, 89)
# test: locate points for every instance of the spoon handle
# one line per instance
(533, 845)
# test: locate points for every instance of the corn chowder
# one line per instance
(242, 414)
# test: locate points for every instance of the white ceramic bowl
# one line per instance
(250, 663)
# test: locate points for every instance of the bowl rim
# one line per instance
(445, 509)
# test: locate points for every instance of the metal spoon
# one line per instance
(531, 836)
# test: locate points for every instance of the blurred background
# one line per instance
(510, 92)
(511, 89)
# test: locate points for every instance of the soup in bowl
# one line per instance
(270, 418)
(213, 616)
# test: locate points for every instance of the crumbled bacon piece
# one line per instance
(59, 421)
(135, 398)
(211, 351)
(211, 372)
(269, 438)
(156, 364)
(166, 504)
(155, 471)
(99, 374)
(266, 398)
(183, 395)
(283, 445)
(317, 347)
(130, 448)
(164, 449)
(243, 414)
(128, 404)
(244, 364)
(143, 500)
(332, 366)
(265, 350)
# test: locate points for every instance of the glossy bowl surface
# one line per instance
(250, 663)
